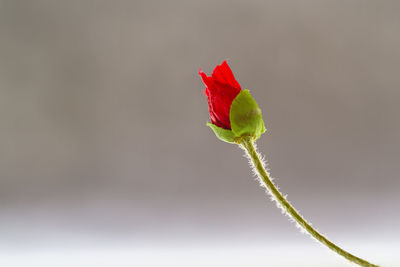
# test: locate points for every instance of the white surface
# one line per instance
(235, 256)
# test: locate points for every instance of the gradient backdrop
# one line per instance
(105, 159)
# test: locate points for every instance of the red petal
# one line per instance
(221, 90)
(223, 75)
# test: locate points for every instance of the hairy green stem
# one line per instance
(248, 145)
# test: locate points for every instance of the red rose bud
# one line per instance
(221, 89)
(233, 112)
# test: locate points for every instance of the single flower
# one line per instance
(233, 111)
(236, 118)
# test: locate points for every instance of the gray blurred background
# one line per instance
(103, 142)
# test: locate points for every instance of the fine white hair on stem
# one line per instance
(258, 166)
(271, 196)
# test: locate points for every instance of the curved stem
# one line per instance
(247, 143)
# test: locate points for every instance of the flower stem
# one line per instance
(248, 145)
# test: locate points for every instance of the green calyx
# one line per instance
(245, 116)
(223, 134)
(246, 120)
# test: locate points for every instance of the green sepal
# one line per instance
(223, 134)
(245, 116)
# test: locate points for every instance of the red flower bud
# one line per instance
(221, 90)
